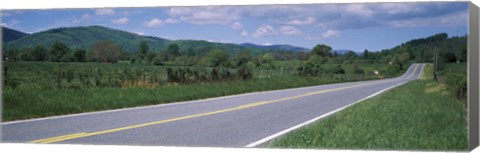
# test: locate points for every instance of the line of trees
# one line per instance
(103, 52)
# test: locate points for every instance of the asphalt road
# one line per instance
(232, 121)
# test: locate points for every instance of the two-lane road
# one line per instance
(231, 121)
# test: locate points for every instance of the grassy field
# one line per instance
(33, 89)
(421, 115)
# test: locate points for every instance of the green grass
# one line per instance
(421, 115)
(36, 95)
(456, 67)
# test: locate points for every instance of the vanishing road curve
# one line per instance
(244, 120)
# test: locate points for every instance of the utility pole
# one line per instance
(435, 73)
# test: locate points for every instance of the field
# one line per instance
(421, 115)
(41, 89)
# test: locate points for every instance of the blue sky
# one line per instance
(356, 26)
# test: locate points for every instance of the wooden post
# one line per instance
(59, 74)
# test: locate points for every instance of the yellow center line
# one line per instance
(84, 134)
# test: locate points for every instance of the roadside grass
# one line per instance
(27, 103)
(456, 67)
(36, 94)
(420, 115)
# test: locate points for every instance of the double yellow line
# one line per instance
(84, 134)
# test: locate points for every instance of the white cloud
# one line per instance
(83, 18)
(158, 22)
(267, 44)
(244, 33)
(154, 23)
(289, 30)
(308, 21)
(358, 10)
(120, 21)
(236, 26)
(140, 33)
(456, 19)
(104, 11)
(330, 33)
(205, 15)
(171, 21)
(4, 24)
(265, 31)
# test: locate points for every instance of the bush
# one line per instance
(338, 70)
(245, 71)
(357, 70)
(393, 69)
(457, 83)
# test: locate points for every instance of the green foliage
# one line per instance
(457, 84)
(172, 52)
(38, 53)
(242, 58)
(267, 61)
(357, 70)
(245, 71)
(80, 55)
(143, 51)
(338, 70)
(218, 57)
(86, 37)
(59, 52)
(312, 67)
(105, 52)
(322, 50)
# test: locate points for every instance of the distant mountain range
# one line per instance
(86, 37)
(282, 47)
(344, 51)
(10, 34)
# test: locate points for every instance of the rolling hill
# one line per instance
(86, 37)
(11, 35)
(279, 47)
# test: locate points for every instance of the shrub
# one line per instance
(457, 83)
(338, 70)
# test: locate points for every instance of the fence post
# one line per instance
(59, 74)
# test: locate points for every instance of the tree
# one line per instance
(38, 53)
(105, 52)
(404, 57)
(450, 57)
(267, 60)
(173, 51)
(58, 51)
(143, 50)
(80, 55)
(190, 52)
(350, 55)
(365, 54)
(321, 50)
(242, 58)
(218, 57)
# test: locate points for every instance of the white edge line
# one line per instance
(258, 142)
(174, 103)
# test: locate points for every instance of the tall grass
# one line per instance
(421, 115)
(32, 90)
